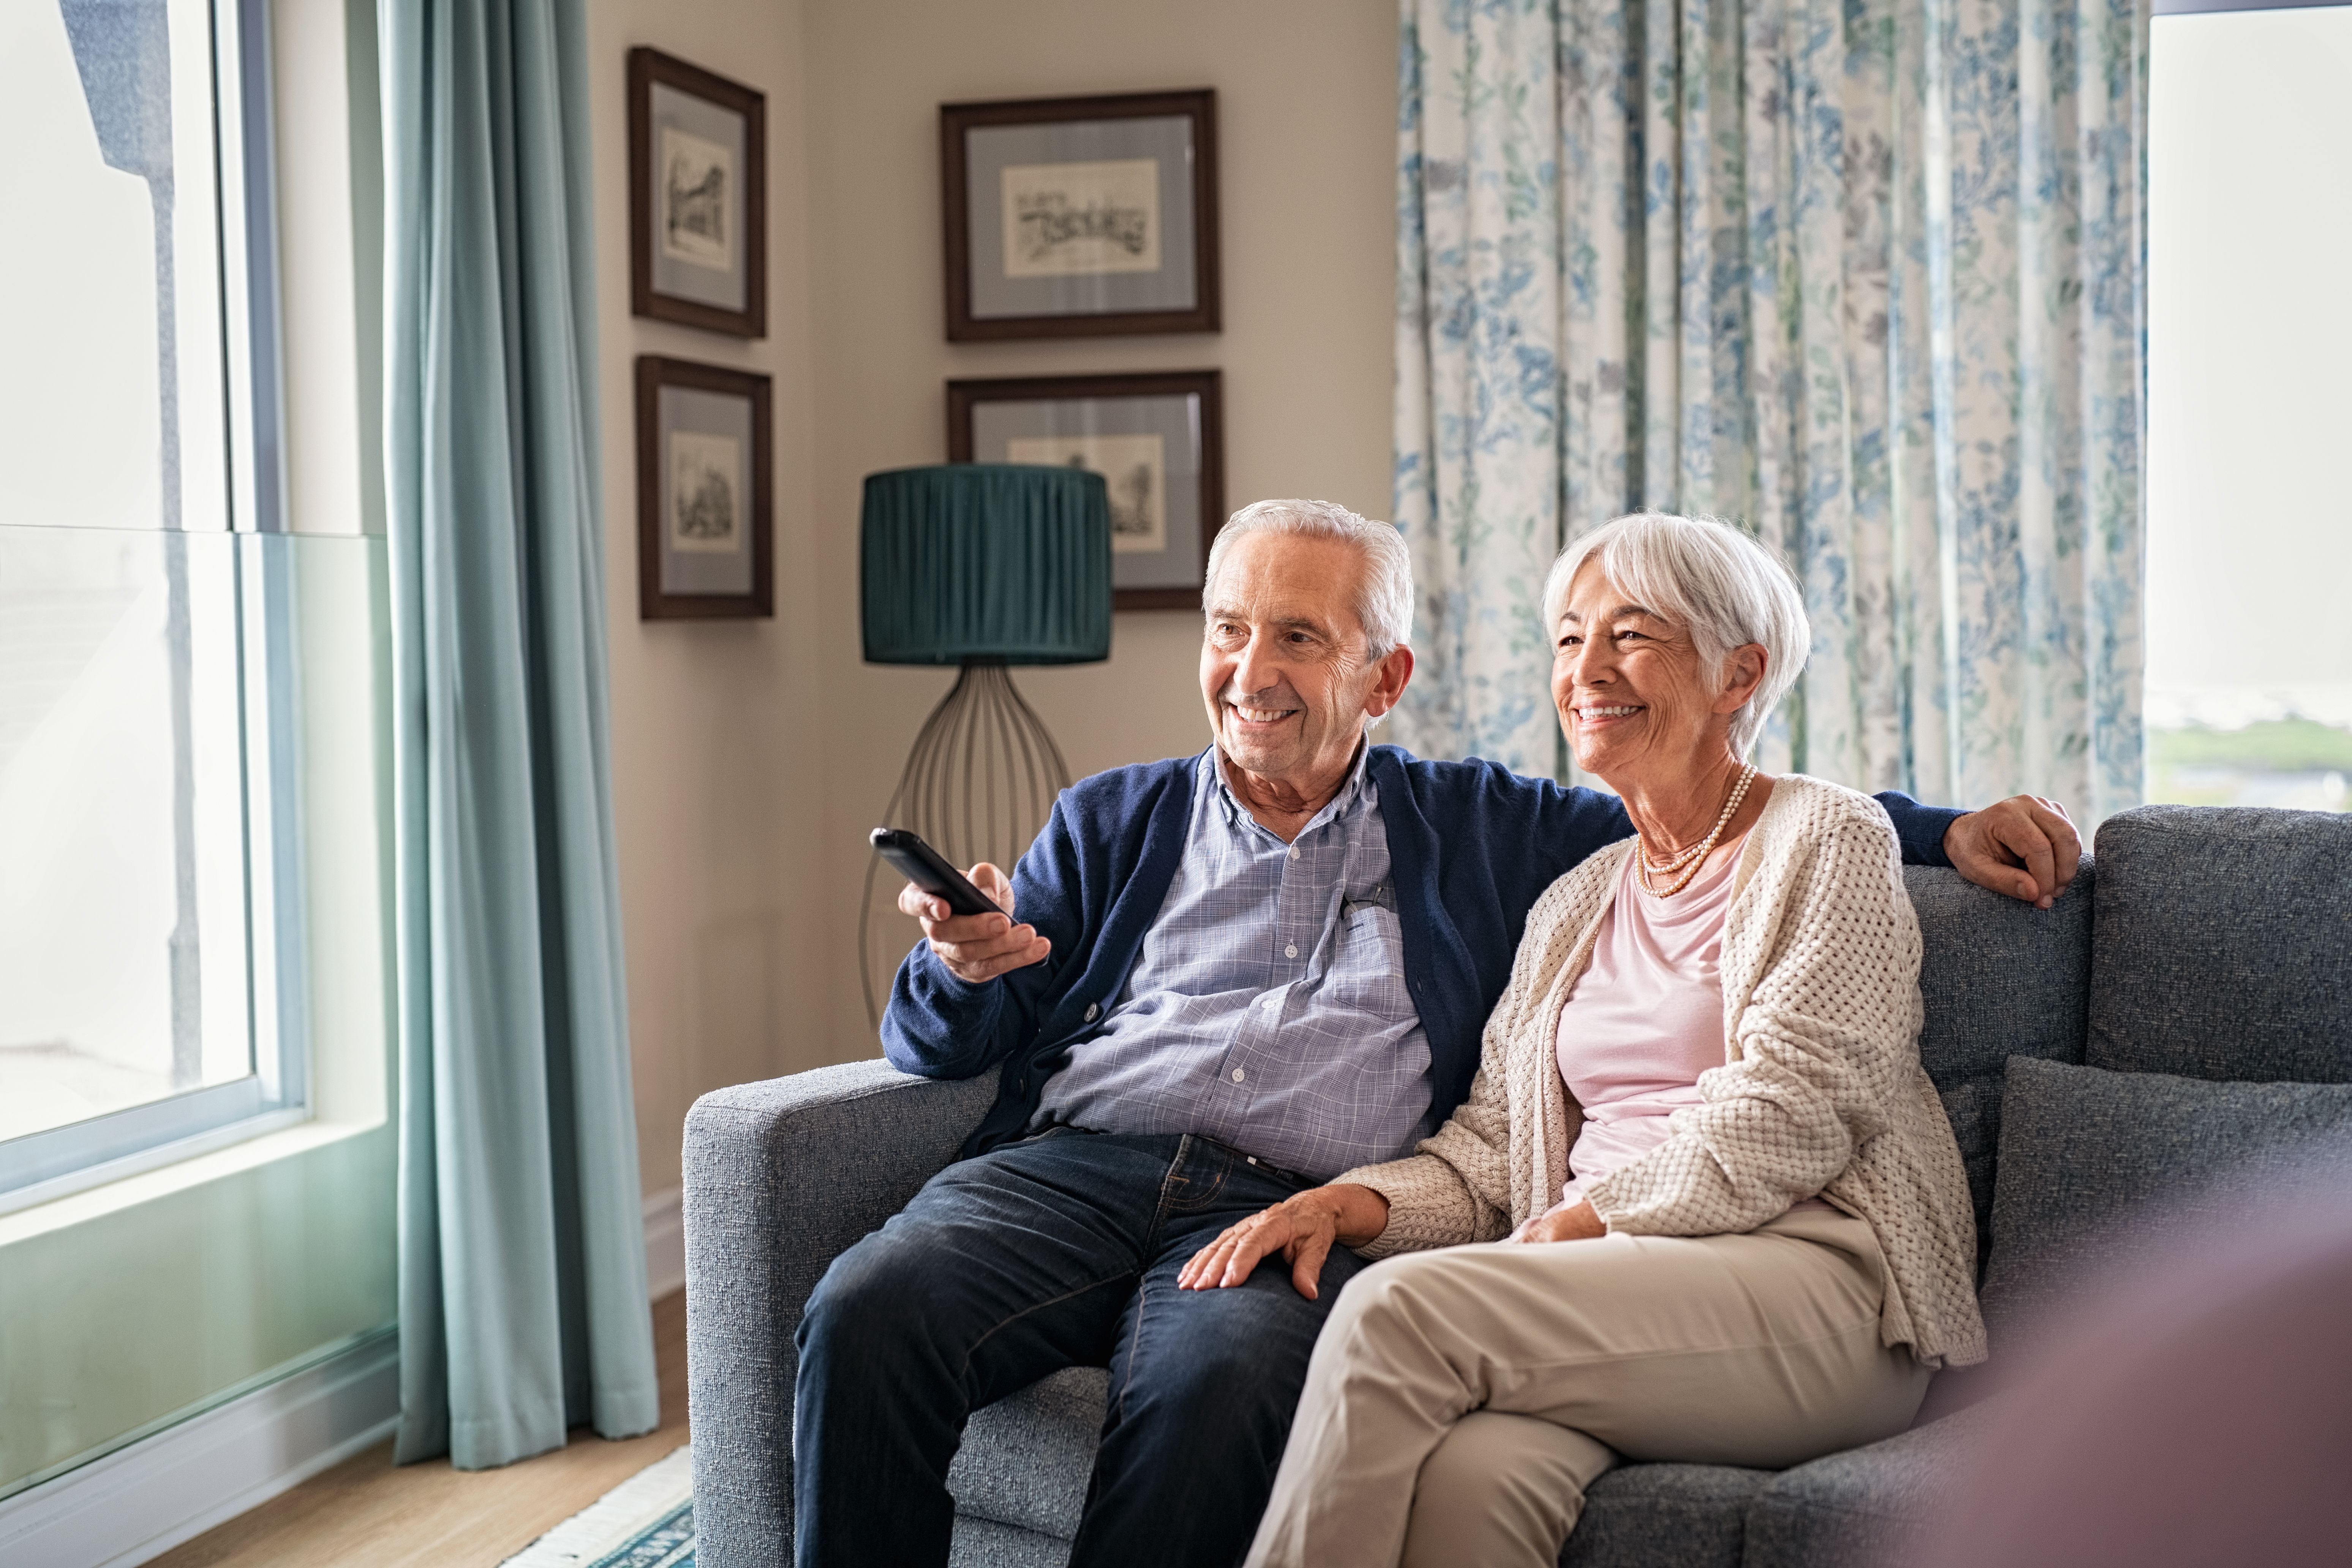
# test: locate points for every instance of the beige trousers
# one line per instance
(1460, 1401)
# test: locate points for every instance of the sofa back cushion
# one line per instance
(2000, 978)
(2223, 944)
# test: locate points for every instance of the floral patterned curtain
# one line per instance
(1866, 277)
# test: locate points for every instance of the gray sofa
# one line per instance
(2211, 944)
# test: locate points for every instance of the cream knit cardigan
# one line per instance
(1822, 1091)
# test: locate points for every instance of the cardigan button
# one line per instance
(1091, 1011)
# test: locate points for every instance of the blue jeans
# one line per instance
(1059, 1251)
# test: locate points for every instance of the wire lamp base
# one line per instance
(979, 784)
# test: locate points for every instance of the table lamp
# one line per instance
(984, 567)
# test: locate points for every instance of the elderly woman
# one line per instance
(1725, 1219)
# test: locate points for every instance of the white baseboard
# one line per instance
(142, 1500)
(664, 1243)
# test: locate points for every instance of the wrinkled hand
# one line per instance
(2023, 846)
(977, 947)
(1579, 1222)
(1302, 1227)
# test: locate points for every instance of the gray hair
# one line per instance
(1723, 585)
(1384, 599)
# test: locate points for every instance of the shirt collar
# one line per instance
(1352, 790)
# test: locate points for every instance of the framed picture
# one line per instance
(705, 534)
(698, 197)
(1080, 216)
(1156, 440)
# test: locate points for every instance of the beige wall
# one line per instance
(1306, 99)
(715, 770)
(750, 759)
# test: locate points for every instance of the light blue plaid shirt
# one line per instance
(1267, 1008)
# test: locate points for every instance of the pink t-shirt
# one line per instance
(1644, 1020)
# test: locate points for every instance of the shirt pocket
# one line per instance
(1367, 970)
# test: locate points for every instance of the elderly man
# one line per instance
(1234, 975)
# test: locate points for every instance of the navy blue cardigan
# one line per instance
(1471, 846)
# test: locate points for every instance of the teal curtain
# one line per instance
(522, 1279)
(1863, 276)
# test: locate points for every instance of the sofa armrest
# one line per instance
(781, 1177)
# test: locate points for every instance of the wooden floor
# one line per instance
(364, 1513)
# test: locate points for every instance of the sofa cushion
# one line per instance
(2085, 1154)
(1866, 1506)
(1664, 1516)
(1026, 1458)
(2000, 978)
(1021, 1477)
(2225, 944)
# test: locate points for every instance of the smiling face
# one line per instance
(1636, 698)
(1286, 667)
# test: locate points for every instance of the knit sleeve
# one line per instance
(1454, 1189)
(1821, 1042)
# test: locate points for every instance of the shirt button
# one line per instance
(1091, 1011)
(1294, 852)
(1290, 952)
(1239, 1074)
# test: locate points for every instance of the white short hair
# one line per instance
(1723, 585)
(1384, 598)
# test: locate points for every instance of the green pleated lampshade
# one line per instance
(999, 562)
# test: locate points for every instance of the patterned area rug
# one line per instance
(647, 1521)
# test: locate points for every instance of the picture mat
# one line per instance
(991, 150)
(1074, 218)
(1134, 469)
(718, 418)
(723, 287)
(1174, 419)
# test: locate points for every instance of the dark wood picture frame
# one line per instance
(648, 66)
(965, 397)
(1199, 105)
(656, 372)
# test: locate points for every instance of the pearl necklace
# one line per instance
(1695, 857)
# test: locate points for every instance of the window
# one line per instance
(2249, 630)
(147, 959)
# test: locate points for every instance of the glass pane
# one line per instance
(122, 854)
(2250, 328)
(112, 411)
(125, 974)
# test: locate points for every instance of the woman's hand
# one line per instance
(1576, 1223)
(1302, 1227)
